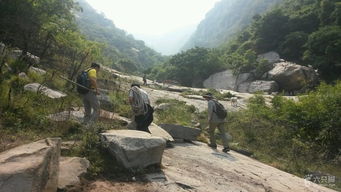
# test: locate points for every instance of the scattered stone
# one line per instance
(15, 54)
(70, 170)
(36, 87)
(134, 149)
(163, 107)
(67, 115)
(181, 132)
(156, 177)
(23, 75)
(37, 70)
(31, 167)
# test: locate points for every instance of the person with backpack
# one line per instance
(140, 104)
(88, 89)
(216, 119)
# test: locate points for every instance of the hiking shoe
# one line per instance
(212, 146)
(226, 149)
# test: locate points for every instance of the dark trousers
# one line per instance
(143, 121)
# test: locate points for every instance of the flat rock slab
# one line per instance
(134, 149)
(196, 167)
(181, 132)
(36, 87)
(31, 167)
(154, 129)
(70, 169)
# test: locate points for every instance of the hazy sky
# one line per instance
(153, 17)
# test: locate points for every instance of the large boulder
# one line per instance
(36, 87)
(293, 77)
(243, 82)
(134, 149)
(263, 86)
(221, 80)
(70, 170)
(271, 57)
(181, 132)
(31, 167)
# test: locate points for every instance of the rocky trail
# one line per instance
(185, 167)
(196, 167)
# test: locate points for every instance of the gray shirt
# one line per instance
(212, 116)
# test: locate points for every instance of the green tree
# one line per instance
(323, 52)
(292, 48)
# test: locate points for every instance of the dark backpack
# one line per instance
(83, 84)
(220, 110)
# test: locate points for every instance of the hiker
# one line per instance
(214, 121)
(144, 79)
(90, 100)
(140, 104)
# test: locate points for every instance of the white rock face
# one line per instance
(134, 149)
(36, 87)
(70, 169)
(222, 80)
(263, 86)
(271, 57)
(292, 77)
(181, 132)
(31, 167)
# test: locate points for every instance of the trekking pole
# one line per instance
(69, 80)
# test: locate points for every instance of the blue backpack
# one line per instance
(83, 83)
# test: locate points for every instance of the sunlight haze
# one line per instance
(164, 25)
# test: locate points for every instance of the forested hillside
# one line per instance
(121, 49)
(73, 33)
(306, 32)
(225, 19)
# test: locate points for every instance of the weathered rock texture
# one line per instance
(36, 87)
(181, 132)
(154, 129)
(222, 80)
(70, 170)
(271, 57)
(32, 167)
(291, 77)
(263, 86)
(134, 149)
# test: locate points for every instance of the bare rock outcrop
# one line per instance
(36, 87)
(293, 77)
(221, 80)
(134, 149)
(181, 132)
(70, 170)
(263, 86)
(271, 57)
(31, 167)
